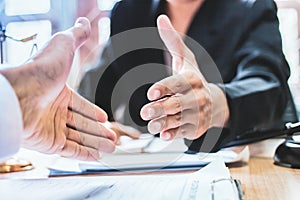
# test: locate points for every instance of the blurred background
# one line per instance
(23, 18)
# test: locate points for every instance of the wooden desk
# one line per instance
(262, 179)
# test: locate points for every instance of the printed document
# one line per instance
(197, 185)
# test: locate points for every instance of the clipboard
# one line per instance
(236, 185)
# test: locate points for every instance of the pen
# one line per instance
(98, 191)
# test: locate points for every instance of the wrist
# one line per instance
(25, 87)
(220, 111)
(21, 79)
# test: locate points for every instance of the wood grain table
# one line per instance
(261, 179)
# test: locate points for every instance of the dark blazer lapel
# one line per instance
(158, 7)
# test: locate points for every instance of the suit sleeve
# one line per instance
(11, 122)
(258, 93)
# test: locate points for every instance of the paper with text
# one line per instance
(191, 186)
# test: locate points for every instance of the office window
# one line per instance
(288, 14)
(288, 18)
(98, 13)
(106, 4)
(104, 30)
(21, 30)
(23, 18)
(104, 22)
(23, 7)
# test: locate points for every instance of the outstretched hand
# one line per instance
(56, 119)
(185, 104)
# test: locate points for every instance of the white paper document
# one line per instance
(190, 186)
(150, 144)
(151, 153)
(146, 154)
(145, 162)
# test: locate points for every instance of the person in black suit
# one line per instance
(212, 103)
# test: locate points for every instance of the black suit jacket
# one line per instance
(241, 37)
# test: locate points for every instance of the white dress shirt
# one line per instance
(11, 124)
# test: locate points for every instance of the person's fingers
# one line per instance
(63, 44)
(99, 143)
(172, 121)
(170, 106)
(86, 125)
(54, 60)
(84, 107)
(168, 86)
(178, 83)
(121, 129)
(172, 41)
(72, 149)
(188, 131)
(80, 31)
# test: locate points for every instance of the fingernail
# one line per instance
(155, 127)
(151, 113)
(165, 136)
(82, 21)
(156, 94)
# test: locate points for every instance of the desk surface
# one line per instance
(262, 179)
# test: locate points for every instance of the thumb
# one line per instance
(173, 42)
(80, 31)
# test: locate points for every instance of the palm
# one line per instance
(59, 120)
(46, 132)
(185, 104)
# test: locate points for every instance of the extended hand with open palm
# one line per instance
(56, 119)
(185, 104)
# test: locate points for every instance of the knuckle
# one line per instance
(81, 105)
(165, 88)
(183, 131)
(194, 79)
(98, 145)
(204, 99)
(201, 101)
(178, 85)
(161, 85)
(82, 139)
(84, 125)
(70, 116)
(165, 122)
(176, 104)
(177, 119)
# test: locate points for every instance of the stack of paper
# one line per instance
(152, 154)
(197, 185)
